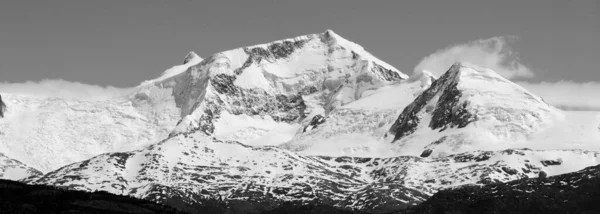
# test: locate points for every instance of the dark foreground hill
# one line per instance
(16, 197)
(577, 192)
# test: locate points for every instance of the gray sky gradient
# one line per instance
(123, 42)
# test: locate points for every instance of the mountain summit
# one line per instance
(192, 57)
(471, 107)
(276, 84)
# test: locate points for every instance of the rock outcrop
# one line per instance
(2, 107)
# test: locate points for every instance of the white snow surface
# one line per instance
(357, 128)
(255, 130)
(190, 60)
(12, 169)
(47, 133)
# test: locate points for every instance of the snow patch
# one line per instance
(254, 130)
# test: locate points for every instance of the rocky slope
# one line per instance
(2, 107)
(576, 192)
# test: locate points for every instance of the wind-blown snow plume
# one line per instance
(62, 89)
(494, 53)
(567, 95)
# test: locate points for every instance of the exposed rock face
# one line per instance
(426, 153)
(316, 121)
(2, 107)
(445, 89)
(552, 162)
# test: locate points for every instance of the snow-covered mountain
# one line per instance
(260, 94)
(49, 132)
(266, 94)
(471, 108)
(314, 118)
(200, 164)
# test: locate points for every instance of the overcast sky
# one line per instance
(122, 43)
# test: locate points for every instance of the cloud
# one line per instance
(567, 95)
(494, 53)
(62, 89)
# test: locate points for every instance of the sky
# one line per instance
(116, 43)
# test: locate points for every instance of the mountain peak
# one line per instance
(330, 34)
(192, 57)
(190, 60)
(274, 78)
(452, 112)
(335, 40)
